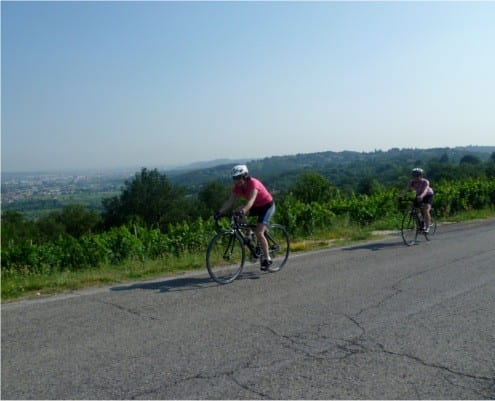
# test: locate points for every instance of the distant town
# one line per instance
(20, 186)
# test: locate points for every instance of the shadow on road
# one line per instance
(180, 284)
(377, 246)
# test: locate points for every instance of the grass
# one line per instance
(28, 285)
(25, 284)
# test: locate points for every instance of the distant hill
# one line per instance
(341, 168)
(203, 165)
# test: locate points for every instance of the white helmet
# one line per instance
(416, 172)
(240, 169)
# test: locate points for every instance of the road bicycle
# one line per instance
(228, 249)
(413, 225)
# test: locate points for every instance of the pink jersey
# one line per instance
(264, 197)
(419, 186)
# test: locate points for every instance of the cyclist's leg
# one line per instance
(426, 211)
(264, 218)
(418, 205)
(260, 234)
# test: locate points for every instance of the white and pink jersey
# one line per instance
(419, 186)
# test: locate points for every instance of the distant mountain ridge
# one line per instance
(205, 164)
(336, 166)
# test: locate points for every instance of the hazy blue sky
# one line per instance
(153, 84)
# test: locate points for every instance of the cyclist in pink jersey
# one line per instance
(424, 194)
(259, 203)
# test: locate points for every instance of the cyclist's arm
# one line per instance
(425, 191)
(228, 204)
(249, 204)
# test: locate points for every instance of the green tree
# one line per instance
(312, 187)
(15, 229)
(50, 227)
(444, 158)
(490, 166)
(470, 159)
(211, 198)
(369, 186)
(149, 199)
(74, 220)
(78, 220)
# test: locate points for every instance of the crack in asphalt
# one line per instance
(347, 347)
(396, 290)
(434, 365)
(361, 344)
(128, 310)
(227, 374)
(248, 388)
(302, 343)
(481, 395)
(382, 348)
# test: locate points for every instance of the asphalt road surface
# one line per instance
(377, 320)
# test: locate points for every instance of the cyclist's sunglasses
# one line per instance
(238, 177)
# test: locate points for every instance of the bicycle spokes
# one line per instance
(225, 257)
(410, 227)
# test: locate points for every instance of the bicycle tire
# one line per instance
(409, 228)
(225, 257)
(278, 246)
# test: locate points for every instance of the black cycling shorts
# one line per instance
(264, 212)
(428, 199)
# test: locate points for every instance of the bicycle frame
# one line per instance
(413, 225)
(238, 225)
(418, 213)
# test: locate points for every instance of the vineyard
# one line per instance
(302, 219)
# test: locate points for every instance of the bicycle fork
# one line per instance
(229, 249)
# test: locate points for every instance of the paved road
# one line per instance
(372, 321)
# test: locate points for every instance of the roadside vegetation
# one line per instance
(154, 228)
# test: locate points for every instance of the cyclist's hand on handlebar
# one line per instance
(239, 216)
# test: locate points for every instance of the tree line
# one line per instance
(152, 217)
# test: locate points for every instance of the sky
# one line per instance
(98, 85)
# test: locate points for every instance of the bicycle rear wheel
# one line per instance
(225, 257)
(409, 229)
(278, 246)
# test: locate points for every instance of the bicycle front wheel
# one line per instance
(225, 257)
(278, 246)
(409, 229)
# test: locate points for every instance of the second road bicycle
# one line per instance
(413, 225)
